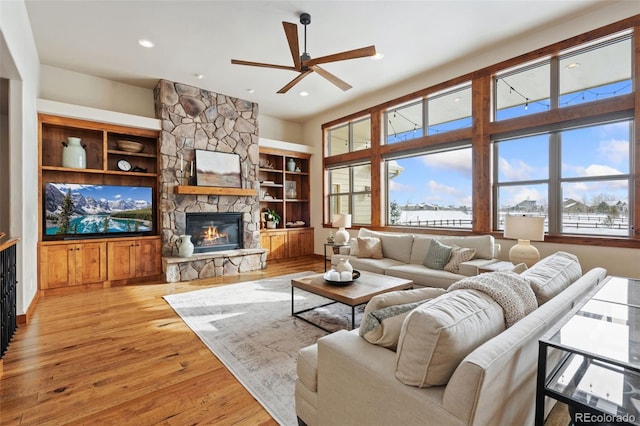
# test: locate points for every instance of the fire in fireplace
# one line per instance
(214, 231)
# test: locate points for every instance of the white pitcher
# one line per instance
(73, 154)
(185, 249)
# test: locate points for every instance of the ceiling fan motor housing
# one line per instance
(305, 18)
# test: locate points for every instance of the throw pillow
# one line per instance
(520, 268)
(437, 256)
(553, 274)
(437, 335)
(459, 255)
(369, 247)
(353, 247)
(384, 314)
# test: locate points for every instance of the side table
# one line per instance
(598, 347)
(501, 265)
(332, 245)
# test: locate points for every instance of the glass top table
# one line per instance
(599, 344)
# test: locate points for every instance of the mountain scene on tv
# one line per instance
(97, 209)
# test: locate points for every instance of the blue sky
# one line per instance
(445, 178)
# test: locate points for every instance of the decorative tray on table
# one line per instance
(330, 278)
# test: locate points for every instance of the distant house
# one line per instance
(572, 206)
(525, 206)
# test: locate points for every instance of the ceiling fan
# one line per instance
(303, 63)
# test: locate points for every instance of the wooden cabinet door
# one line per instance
(90, 263)
(300, 243)
(148, 258)
(121, 259)
(278, 246)
(57, 265)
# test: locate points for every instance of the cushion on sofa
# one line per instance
(553, 274)
(384, 314)
(370, 247)
(438, 255)
(483, 244)
(419, 250)
(394, 246)
(437, 335)
(458, 255)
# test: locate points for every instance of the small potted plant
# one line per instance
(273, 218)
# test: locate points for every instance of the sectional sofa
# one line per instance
(413, 256)
(456, 360)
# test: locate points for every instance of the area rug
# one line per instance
(249, 327)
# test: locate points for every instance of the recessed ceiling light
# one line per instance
(377, 57)
(145, 43)
(251, 90)
(304, 93)
(572, 65)
(199, 76)
(458, 99)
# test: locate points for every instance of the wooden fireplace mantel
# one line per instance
(214, 190)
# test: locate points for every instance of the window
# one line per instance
(349, 137)
(443, 111)
(588, 179)
(432, 189)
(586, 74)
(350, 192)
(523, 91)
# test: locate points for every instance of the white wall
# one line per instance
(618, 261)
(18, 47)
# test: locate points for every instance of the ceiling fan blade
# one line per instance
(349, 54)
(295, 81)
(291, 31)
(332, 78)
(260, 64)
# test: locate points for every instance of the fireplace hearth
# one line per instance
(214, 231)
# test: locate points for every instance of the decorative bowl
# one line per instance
(129, 146)
(355, 276)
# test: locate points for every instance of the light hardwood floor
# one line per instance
(122, 356)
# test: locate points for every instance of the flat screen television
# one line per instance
(74, 211)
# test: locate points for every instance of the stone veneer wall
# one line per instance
(193, 118)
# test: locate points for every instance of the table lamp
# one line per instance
(525, 229)
(341, 221)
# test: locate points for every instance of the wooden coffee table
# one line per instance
(358, 293)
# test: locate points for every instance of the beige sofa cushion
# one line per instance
(553, 274)
(385, 313)
(437, 335)
(483, 244)
(420, 247)
(394, 246)
(369, 247)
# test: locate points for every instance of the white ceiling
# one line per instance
(99, 38)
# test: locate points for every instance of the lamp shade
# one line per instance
(341, 221)
(524, 227)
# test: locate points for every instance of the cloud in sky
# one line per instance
(615, 150)
(458, 160)
(597, 170)
(516, 170)
(397, 186)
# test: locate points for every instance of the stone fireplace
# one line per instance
(214, 231)
(193, 118)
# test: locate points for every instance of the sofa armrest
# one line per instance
(344, 250)
(357, 385)
(472, 267)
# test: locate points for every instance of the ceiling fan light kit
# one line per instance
(303, 63)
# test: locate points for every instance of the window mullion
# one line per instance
(554, 210)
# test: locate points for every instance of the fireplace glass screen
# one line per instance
(214, 231)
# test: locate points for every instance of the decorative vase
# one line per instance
(291, 165)
(73, 154)
(343, 266)
(186, 246)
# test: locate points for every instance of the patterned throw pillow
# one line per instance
(437, 255)
(369, 247)
(459, 255)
